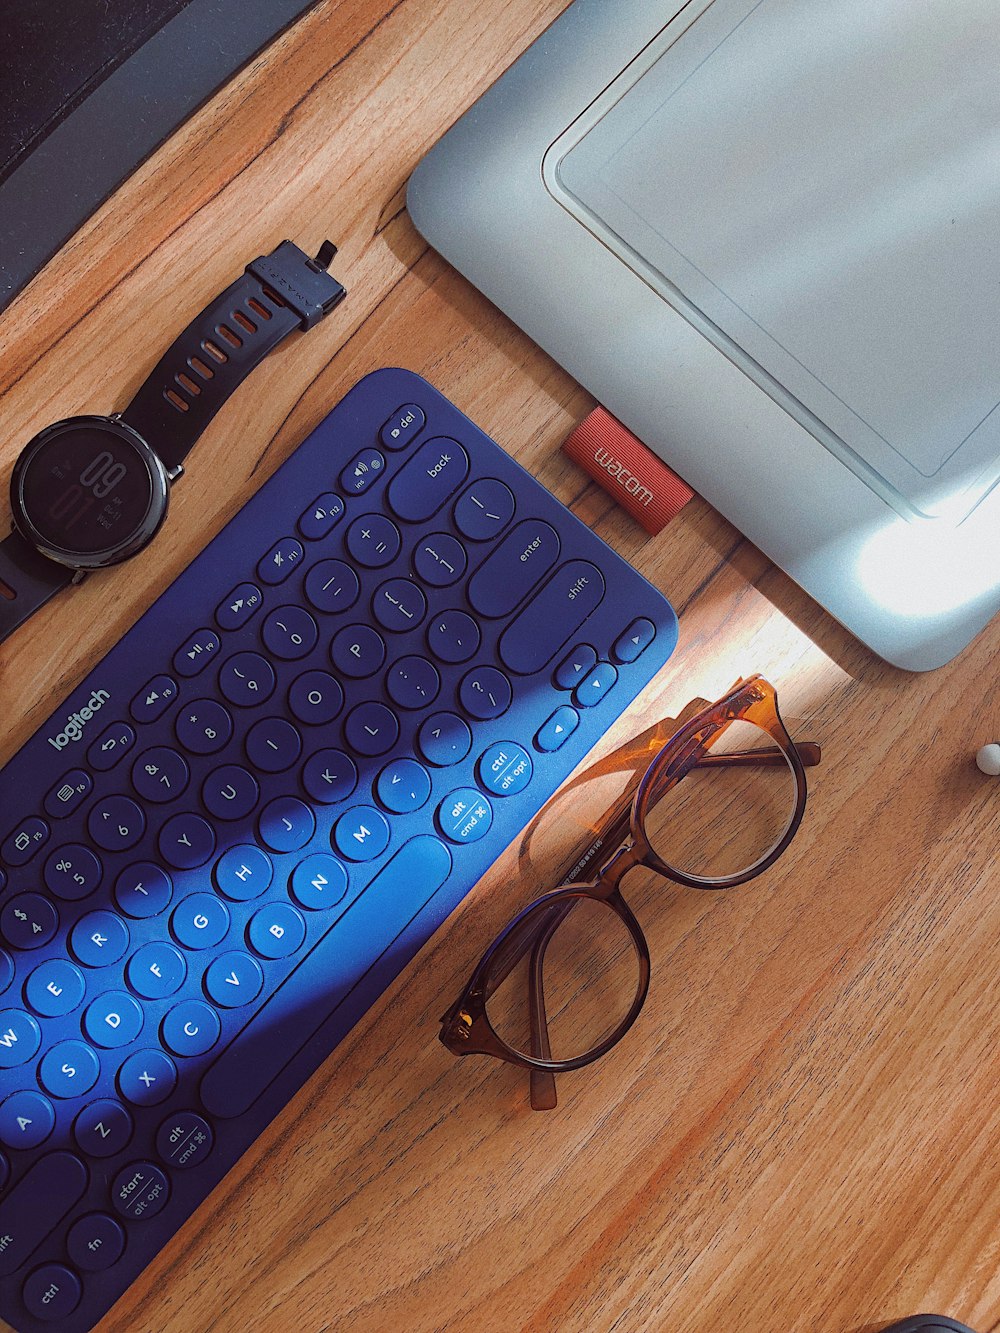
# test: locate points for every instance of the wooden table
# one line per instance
(800, 1134)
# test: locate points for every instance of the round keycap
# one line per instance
(332, 586)
(156, 970)
(200, 921)
(51, 1292)
(147, 1078)
(143, 890)
(276, 931)
(413, 682)
(113, 1019)
(399, 605)
(116, 823)
(55, 987)
(99, 938)
(329, 776)
(159, 775)
(72, 872)
(403, 786)
(20, 1037)
(95, 1242)
(357, 651)
(243, 872)
(204, 727)
(453, 637)
(465, 815)
(230, 792)
(315, 698)
(318, 882)
(505, 768)
(191, 1028)
(289, 632)
(247, 679)
(371, 729)
(26, 1120)
(373, 540)
(234, 979)
(184, 1140)
(286, 824)
(361, 834)
(444, 739)
(439, 560)
(273, 745)
(485, 693)
(28, 921)
(69, 1069)
(186, 841)
(6, 970)
(484, 509)
(140, 1191)
(103, 1128)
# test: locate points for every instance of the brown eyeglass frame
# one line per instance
(466, 1028)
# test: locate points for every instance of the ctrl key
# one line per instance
(52, 1292)
(140, 1191)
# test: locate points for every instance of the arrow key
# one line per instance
(574, 666)
(636, 639)
(556, 731)
(595, 685)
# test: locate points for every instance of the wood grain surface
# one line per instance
(800, 1134)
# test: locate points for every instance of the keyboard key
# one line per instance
(283, 557)
(329, 776)
(51, 1292)
(20, 1038)
(160, 775)
(6, 970)
(103, 1128)
(484, 510)
(485, 693)
(371, 729)
(555, 613)
(201, 921)
(361, 834)
(28, 921)
(95, 1242)
(234, 979)
(321, 517)
(276, 931)
(194, 655)
(286, 824)
(186, 841)
(324, 977)
(465, 815)
(403, 427)
(412, 682)
(116, 824)
(69, 1069)
(634, 642)
(373, 541)
(156, 971)
(505, 768)
(241, 605)
(575, 665)
(556, 730)
(26, 1120)
(332, 586)
(191, 1028)
(23, 842)
(140, 1191)
(68, 793)
(357, 651)
(519, 563)
(595, 685)
(453, 637)
(72, 872)
(36, 1205)
(111, 745)
(428, 480)
(246, 680)
(56, 987)
(143, 890)
(184, 1140)
(204, 727)
(153, 699)
(315, 698)
(230, 792)
(318, 882)
(243, 873)
(147, 1078)
(399, 605)
(273, 745)
(112, 1020)
(362, 471)
(439, 560)
(289, 633)
(403, 786)
(444, 739)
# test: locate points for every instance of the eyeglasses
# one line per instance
(718, 803)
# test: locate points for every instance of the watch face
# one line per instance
(88, 492)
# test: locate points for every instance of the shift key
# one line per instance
(37, 1204)
(556, 611)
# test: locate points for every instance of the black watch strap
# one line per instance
(279, 292)
(30, 577)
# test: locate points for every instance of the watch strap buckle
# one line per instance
(301, 283)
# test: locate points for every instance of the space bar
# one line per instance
(324, 977)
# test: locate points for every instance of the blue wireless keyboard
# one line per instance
(226, 843)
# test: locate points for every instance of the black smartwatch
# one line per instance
(90, 492)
